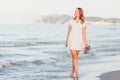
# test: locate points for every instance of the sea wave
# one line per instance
(23, 44)
(20, 63)
(12, 55)
(49, 61)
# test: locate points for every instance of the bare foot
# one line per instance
(71, 74)
(77, 76)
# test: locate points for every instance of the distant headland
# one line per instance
(62, 19)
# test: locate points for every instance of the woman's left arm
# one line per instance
(84, 35)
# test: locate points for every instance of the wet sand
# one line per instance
(113, 75)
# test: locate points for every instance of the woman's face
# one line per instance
(77, 13)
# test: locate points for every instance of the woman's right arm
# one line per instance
(68, 32)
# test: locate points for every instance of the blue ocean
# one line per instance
(38, 52)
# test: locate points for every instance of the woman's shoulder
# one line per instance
(69, 22)
(84, 24)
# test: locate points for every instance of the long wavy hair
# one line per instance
(81, 17)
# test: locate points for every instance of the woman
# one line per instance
(75, 37)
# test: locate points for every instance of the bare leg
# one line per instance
(77, 52)
(73, 70)
(75, 61)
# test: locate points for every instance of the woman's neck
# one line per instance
(77, 18)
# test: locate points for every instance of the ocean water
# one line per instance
(38, 52)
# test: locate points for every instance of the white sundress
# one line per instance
(75, 39)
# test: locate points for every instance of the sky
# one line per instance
(25, 11)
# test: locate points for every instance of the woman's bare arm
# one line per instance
(84, 35)
(68, 32)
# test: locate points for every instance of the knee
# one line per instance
(75, 57)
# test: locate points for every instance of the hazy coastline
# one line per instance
(62, 19)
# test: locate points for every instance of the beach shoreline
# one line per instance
(112, 75)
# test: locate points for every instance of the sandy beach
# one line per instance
(113, 75)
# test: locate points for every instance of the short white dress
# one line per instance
(75, 39)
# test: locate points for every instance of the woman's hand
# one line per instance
(86, 45)
(66, 43)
